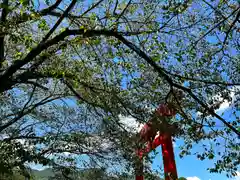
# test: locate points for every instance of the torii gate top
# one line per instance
(164, 110)
(163, 139)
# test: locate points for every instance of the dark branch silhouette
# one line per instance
(3, 21)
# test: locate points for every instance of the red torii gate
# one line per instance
(164, 139)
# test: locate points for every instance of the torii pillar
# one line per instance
(165, 140)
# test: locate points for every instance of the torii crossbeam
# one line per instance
(165, 140)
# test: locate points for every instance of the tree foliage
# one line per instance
(117, 58)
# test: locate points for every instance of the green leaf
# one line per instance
(210, 156)
(24, 2)
(156, 58)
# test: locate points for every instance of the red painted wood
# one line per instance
(168, 157)
(150, 146)
(163, 110)
(139, 178)
(139, 170)
(164, 139)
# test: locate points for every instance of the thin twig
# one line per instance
(161, 72)
(59, 20)
(231, 26)
(202, 80)
(214, 27)
(3, 21)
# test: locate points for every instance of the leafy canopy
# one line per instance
(116, 58)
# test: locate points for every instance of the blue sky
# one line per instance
(188, 166)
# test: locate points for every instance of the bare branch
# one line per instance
(231, 26)
(215, 26)
(115, 8)
(59, 20)
(2, 21)
(89, 33)
(162, 73)
(25, 17)
(33, 83)
(202, 80)
(122, 13)
(22, 137)
(44, 45)
(24, 112)
(50, 8)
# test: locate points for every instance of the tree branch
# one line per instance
(89, 33)
(50, 8)
(216, 10)
(32, 83)
(115, 8)
(23, 112)
(122, 13)
(161, 72)
(50, 11)
(231, 26)
(23, 137)
(202, 80)
(73, 90)
(59, 20)
(209, 109)
(44, 45)
(214, 27)
(3, 20)
(25, 16)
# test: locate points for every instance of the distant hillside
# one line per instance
(88, 174)
(45, 174)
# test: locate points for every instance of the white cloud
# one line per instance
(193, 178)
(234, 94)
(238, 176)
(130, 123)
(35, 166)
(92, 143)
(99, 142)
(226, 104)
(175, 144)
(3, 136)
(24, 142)
(199, 113)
